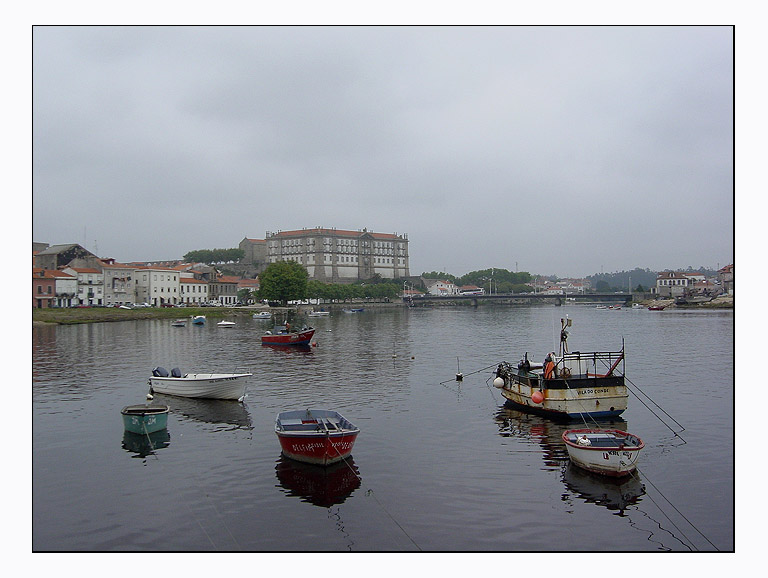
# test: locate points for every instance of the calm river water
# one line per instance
(438, 466)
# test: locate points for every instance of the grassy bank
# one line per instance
(102, 314)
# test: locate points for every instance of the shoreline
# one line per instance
(75, 316)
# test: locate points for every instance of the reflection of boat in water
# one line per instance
(212, 411)
(289, 348)
(321, 486)
(611, 493)
(144, 445)
(568, 385)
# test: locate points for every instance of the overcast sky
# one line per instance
(564, 150)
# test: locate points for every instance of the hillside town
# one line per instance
(68, 275)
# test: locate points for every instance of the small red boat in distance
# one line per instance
(315, 436)
(284, 335)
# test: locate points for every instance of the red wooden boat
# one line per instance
(284, 335)
(315, 436)
(656, 308)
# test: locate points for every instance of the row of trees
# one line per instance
(209, 256)
(286, 281)
(492, 280)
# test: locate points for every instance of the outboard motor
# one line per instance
(160, 372)
(175, 372)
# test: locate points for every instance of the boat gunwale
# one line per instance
(622, 434)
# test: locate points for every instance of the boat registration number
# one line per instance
(593, 391)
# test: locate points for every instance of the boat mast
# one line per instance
(564, 324)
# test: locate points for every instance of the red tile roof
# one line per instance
(337, 232)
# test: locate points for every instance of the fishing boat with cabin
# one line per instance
(285, 335)
(568, 385)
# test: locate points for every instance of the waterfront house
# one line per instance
(725, 276)
(193, 291)
(66, 289)
(440, 287)
(90, 284)
(223, 289)
(157, 286)
(43, 288)
(673, 284)
(118, 283)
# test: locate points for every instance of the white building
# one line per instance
(673, 284)
(156, 286)
(66, 288)
(193, 291)
(339, 256)
(90, 285)
(440, 287)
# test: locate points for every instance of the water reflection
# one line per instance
(144, 445)
(601, 490)
(230, 413)
(289, 349)
(612, 493)
(322, 486)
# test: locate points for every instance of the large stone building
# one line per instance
(340, 256)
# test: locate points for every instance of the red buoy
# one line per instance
(537, 397)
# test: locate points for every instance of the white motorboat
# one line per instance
(262, 315)
(199, 385)
(226, 324)
(318, 314)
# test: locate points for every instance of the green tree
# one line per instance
(214, 256)
(283, 281)
(245, 295)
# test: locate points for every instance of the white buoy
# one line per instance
(498, 383)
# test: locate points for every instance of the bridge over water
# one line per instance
(522, 297)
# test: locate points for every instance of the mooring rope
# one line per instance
(682, 429)
(369, 492)
(693, 546)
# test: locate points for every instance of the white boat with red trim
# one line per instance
(315, 436)
(609, 452)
